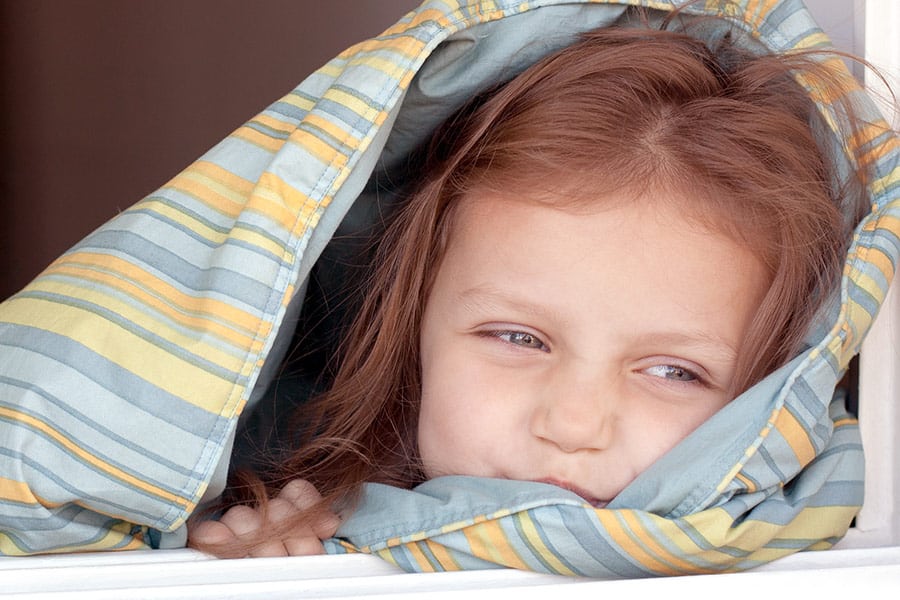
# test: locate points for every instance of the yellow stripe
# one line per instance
(423, 16)
(828, 95)
(203, 190)
(871, 286)
(117, 537)
(188, 382)
(18, 491)
(890, 222)
(229, 184)
(273, 123)
(320, 149)
(444, 558)
(487, 541)
(752, 535)
(880, 260)
(385, 554)
(101, 465)
(303, 103)
(266, 142)
(531, 532)
(270, 203)
(869, 134)
(640, 532)
(610, 521)
(263, 242)
(181, 303)
(880, 186)
(302, 206)
(760, 10)
(182, 218)
(812, 40)
(332, 69)
(333, 129)
(416, 552)
(767, 9)
(717, 528)
(195, 343)
(459, 525)
(796, 436)
(195, 323)
(748, 484)
(219, 189)
(350, 101)
(379, 63)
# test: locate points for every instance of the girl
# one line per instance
(600, 336)
(602, 254)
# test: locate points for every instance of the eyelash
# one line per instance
(505, 335)
(697, 379)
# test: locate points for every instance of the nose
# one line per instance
(578, 411)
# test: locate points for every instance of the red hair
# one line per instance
(632, 109)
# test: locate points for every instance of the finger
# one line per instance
(301, 493)
(269, 549)
(211, 532)
(325, 524)
(279, 509)
(304, 546)
(242, 520)
(245, 523)
(304, 496)
(320, 524)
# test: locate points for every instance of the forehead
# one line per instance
(631, 258)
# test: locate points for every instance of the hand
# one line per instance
(240, 524)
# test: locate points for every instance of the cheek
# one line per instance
(659, 427)
(465, 418)
(443, 414)
(447, 439)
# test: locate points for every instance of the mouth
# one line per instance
(583, 493)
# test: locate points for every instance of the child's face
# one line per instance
(577, 348)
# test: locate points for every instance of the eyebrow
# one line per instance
(699, 339)
(486, 298)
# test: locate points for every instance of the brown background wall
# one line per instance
(102, 101)
(105, 100)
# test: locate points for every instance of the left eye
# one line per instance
(521, 338)
(672, 373)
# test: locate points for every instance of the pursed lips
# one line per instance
(584, 494)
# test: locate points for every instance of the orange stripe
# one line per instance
(639, 531)
(90, 459)
(443, 557)
(626, 542)
(751, 487)
(796, 436)
(181, 305)
(196, 323)
(487, 541)
(419, 556)
(201, 181)
(266, 142)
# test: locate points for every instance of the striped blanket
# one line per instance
(125, 365)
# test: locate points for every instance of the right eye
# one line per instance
(521, 338)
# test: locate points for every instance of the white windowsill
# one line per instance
(188, 574)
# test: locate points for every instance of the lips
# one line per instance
(585, 495)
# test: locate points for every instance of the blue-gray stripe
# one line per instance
(140, 393)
